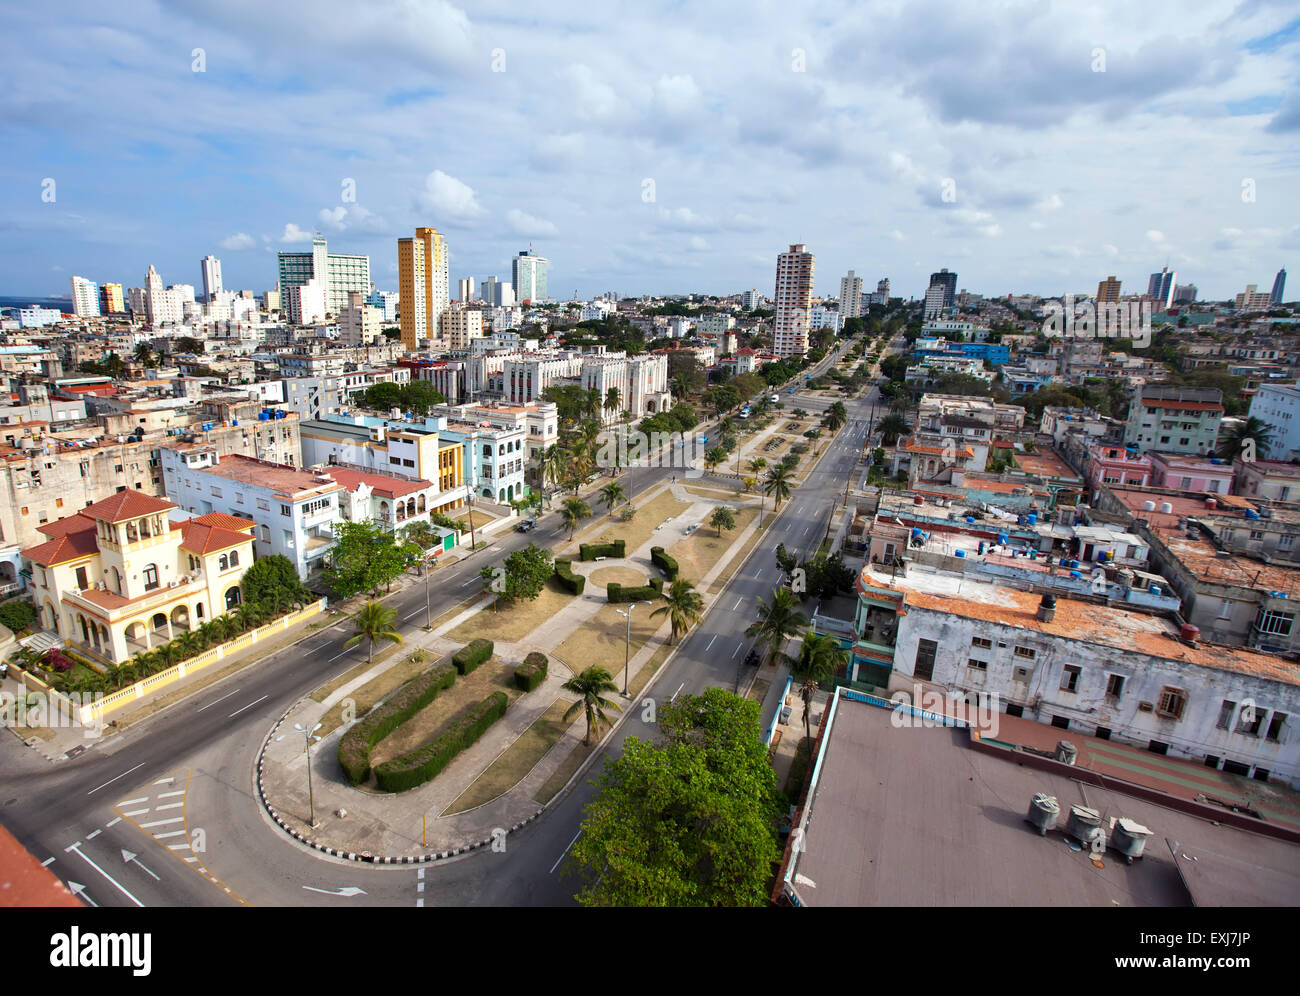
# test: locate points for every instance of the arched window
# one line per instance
(198, 610)
(420, 505)
(151, 577)
(233, 597)
(234, 558)
(223, 563)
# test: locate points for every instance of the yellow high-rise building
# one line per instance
(422, 285)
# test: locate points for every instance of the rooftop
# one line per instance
(284, 480)
(128, 504)
(381, 484)
(919, 817)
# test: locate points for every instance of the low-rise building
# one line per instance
(1175, 419)
(119, 577)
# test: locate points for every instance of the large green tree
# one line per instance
(689, 820)
(270, 577)
(365, 557)
(1249, 439)
(523, 575)
(778, 621)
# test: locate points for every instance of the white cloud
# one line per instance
(1052, 202)
(897, 236)
(292, 233)
(698, 244)
(594, 99)
(1156, 236)
(447, 196)
(683, 219)
(527, 224)
(333, 218)
(240, 240)
(676, 96)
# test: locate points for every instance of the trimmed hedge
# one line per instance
(354, 746)
(617, 593)
(573, 583)
(532, 672)
(423, 763)
(470, 656)
(590, 551)
(664, 562)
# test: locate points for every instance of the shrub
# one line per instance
(648, 593)
(532, 672)
(664, 562)
(354, 746)
(590, 551)
(573, 583)
(17, 616)
(470, 656)
(425, 762)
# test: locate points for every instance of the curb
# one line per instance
(365, 857)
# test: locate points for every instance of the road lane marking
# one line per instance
(169, 833)
(170, 805)
(675, 694)
(222, 699)
(249, 706)
(137, 812)
(93, 834)
(112, 780)
(737, 605)
(564, 852)
(337, 656)
(169, 795)
(710, 644)
(165, 781)
(160, 823)
(116, 883)
(132, 802)
(737, 650)
(113, 822)
(47, 862)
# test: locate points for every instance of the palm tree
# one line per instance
(681, 386)
(836, 416)
(588, 686)
(756, 465)
(892, 427)
(591, 402)
(1249, 440)
(714, 457)
(144, 355)
(613, 400)
(373, 621)
(778, 620)
(820, 656)
(551, 463)
(573, 512)
(611, 494)
(777, 484)
(684, 607)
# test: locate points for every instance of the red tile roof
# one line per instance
(199, 537)
(389, 487)
(125, 505)
(76, 523)
(24, 881)
(223, 521)
(61, 549)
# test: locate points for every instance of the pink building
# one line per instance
(1111, 463)
(1187, 473)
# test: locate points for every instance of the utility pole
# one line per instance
(469, 502)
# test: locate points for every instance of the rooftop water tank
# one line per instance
(1083, 824)
(1189, 632)
(1066, 751)
(1148, 506)
(1043, 812)
(1129, 838)
(1166, 508)
(1251, 514)
(1211, 503)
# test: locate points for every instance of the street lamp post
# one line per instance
(307, 739)
(428, 570)
(627, 643)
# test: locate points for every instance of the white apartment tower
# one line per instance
(85, 297)
(793, 299)
(851, 296)
(529, 276)
(211, 278)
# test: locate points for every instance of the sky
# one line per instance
(656, 148)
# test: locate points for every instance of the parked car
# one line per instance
(751, 659)
(525, 526)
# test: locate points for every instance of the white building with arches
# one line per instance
(120, 577)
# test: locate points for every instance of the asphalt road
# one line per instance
(190, 767)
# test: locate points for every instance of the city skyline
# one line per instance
(628, 174)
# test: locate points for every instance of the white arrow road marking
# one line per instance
(350, 891)
(129, 856)
(79, 891)
(118, 885)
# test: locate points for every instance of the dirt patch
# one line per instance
(626, 576)
(480, 519)
(636, 532)
(697, 554)
(519, 759)
(437, 716)
(600, 641)
(512, 621)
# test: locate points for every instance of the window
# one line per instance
(1114, 686)
(234, 558)
(1225, 610)
(1061, 722)
(1275, 724)
(1172, 702)
(1070, 678)
(285, 510)
(151, 577)
(1027, 653)
(981, 643)
(214, 491)
(1256, 534)
(1250, 721)
(82, 581)
(1225, 714)
(1284, 542)
(1274, 623)
(925, 654)
(1102, 733)
(264, 505)
(223, 563)
(1021, 675)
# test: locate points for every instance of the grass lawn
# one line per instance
(739, 557)
(512, 621)
(640, 529)
(697, 553)
(433, 719)
(600, 641)
(373, 691)
(560, 777)
(626, 576)
(716, 493)
(520, 758)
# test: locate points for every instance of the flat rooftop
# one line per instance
(908, 816)
(290, 482)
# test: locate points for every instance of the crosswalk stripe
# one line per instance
(159, 823)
